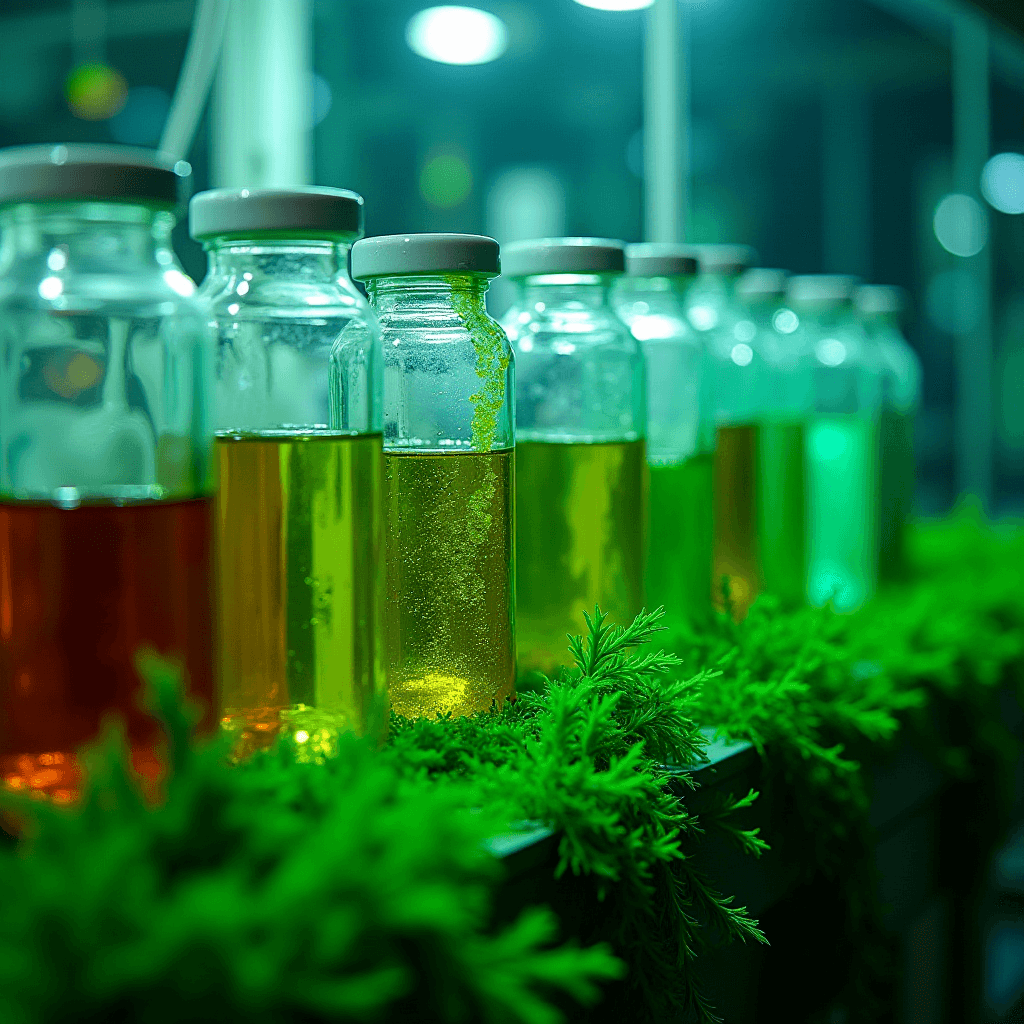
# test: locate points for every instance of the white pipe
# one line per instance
(666, 124)
(195, 77)
(974, 359)
(263, 102)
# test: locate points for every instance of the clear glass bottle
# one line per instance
(652, 301)
(841, 442)
(738, 384)
(581, 463)
(781, 490)
(105, 489)
(298, 505)
(449, 446)
(881, 309)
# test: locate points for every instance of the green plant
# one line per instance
(277, 892)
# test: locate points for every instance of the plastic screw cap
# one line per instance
(821, 289)
(660, 259)
(306, 212)
(81, 172)
(762, 283)
(565, 256)
(441, 253)
(725, 259)
(881, 299)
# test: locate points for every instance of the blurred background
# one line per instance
(875, 137)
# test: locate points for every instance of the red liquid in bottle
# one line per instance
(82, 590)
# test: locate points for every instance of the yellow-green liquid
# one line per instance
(735, 509)
(580, 541)
(782, 509)
(298, 554)
(449, 630)
(679, 559)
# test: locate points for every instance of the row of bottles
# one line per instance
(326, 503)
(801, 415)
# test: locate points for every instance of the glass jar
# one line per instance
(299, 495)
(881, 308)
(738, 388)
(449, 445)
(581, 464)
(781, 489)
(841, 442)
(105, 488)
(652, 301)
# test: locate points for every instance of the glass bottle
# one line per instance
(105, 488)
(449, 445)
(881, 309)
(299, 489)
(737, 385)
(788, 401)
(581, 463)
(652, 301)
(841, 442)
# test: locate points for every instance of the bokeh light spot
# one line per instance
(141, 120)
(960, 224)
(616, 5)
(1002, 182)
(446, 180)
(95, 92)
(457, 35)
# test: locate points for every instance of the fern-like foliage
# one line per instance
(588, 755)
(279, 891)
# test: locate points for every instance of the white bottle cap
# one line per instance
(394, 255)
(660, 259)
(823, 290)
(306, 212)
(564, 256)
(81, 171)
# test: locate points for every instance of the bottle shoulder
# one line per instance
(241, 296)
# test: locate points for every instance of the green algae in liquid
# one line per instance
(782, 510)
(448, 535)
(679, 558)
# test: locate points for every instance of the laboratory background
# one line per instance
(497, 559)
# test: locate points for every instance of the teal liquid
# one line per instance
(896, 492)
(681, 537)
(842, 485)
(782, 510)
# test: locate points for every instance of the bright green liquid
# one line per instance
(896, 492)
(681, 536)
(842, 482)
(782, 501)
(580, 522)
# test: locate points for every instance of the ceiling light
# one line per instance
(616, 5)
(457, 35)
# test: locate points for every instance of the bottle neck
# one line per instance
(100, 236)
(428, 292)
(295, 258)
(581, 291)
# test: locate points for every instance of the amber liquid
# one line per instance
(82, 590)
(297, 548)
(735, 510)
(581, 532)
(449, 630)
